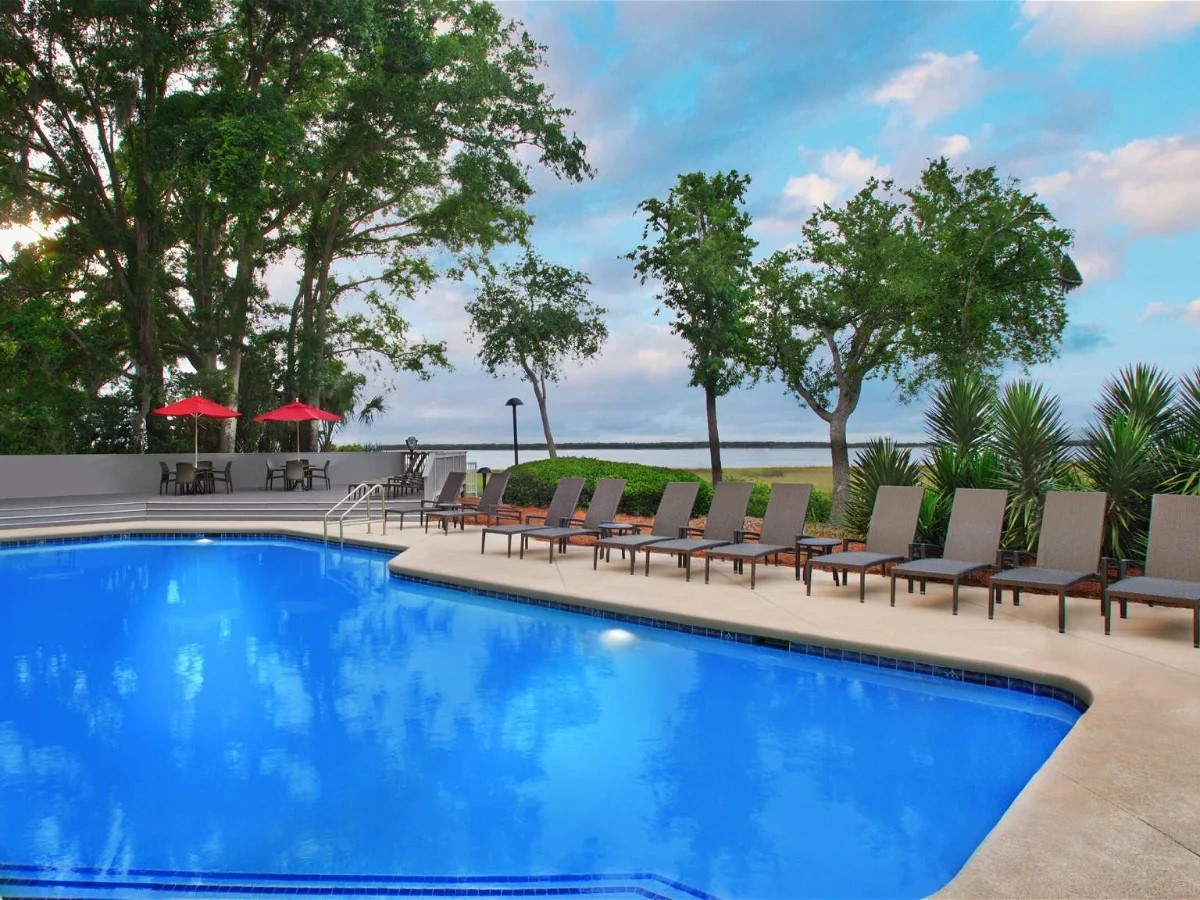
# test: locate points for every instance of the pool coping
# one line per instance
(1115, 811)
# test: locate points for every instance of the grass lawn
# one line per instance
(818, 476)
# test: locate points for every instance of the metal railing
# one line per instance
(359, 494)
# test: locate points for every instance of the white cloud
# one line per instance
(1182, 312)
(1124, 26)
(934, 87)
(843, 170)
(954, 145)
(805, 191)
(849, 167)
(1150, 186)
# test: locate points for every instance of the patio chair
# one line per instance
(674, 511)
(447, 498)
(561, 509)
(185, 478)
(783, 523)
(726, 517)
(893, 526)
(1172, 573)
(601, 509)
(413, 480)
(166, 477)
(322, 473)
(273, 472)
(1068, 551)
(223, 476)
(295, 474)
(972, 543)
(488, 506)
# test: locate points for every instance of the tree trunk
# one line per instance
(538, 383)
(840, 454)
(714, 440)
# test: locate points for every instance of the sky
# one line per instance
(1093, 106)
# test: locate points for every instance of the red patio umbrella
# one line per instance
(196, 407)
(297, 412)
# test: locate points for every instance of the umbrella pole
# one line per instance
(297, 439)
(195, 441)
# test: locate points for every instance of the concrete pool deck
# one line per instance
(1114, 812)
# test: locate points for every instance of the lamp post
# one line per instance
(514, 402)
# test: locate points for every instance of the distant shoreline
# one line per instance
(647, 445)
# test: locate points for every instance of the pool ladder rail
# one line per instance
(356, 497)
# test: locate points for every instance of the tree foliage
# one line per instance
(961, 272)
(182, 149)
(700, 256)
(535, 317)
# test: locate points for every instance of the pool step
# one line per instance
(34, 881)
(247, 507)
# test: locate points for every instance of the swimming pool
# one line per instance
(188, 709)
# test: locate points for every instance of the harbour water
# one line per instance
(673, 457)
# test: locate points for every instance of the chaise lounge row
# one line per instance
(1068, 553)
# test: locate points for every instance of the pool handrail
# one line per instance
(357, 495)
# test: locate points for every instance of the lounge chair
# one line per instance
(782, 524)
(487, 507)
(1068, 551)
(972, 542)
(559, 512)
(726, 517)
(601, 509)
(447, 498)
(224, 476)
(893, 526)
(674, 511)
(1172, 573)
(166, 477)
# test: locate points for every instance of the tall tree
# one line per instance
(535, 317)
(701, 258)
(961, 271)
(80, 92)
(832, 308)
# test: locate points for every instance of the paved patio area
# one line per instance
(1115, 812)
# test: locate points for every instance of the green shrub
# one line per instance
(532, 484)
(820, 506)
(881, 462)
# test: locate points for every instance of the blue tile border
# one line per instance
(950, 673)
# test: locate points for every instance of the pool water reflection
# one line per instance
(263, 705)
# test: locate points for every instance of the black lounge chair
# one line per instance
(447, 498)
(674, 511)
(559, 512)
(1068, 551)
(893, 526)
(601, 509)
(488, 507)
(972, 542)
(726, 517)
(1172, 573)
(782, 524)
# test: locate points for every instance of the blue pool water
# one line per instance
(273, 706)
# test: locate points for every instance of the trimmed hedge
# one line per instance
(532, 484)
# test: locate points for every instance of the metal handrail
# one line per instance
(357, 495)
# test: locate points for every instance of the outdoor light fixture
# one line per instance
(514, 402)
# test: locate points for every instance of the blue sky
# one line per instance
(1095, 106)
